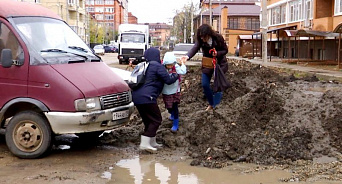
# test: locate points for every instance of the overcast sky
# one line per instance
(154, 11)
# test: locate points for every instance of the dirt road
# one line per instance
(273, 119)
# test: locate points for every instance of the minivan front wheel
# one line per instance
(28, 135)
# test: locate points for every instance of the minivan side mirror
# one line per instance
(6, 58)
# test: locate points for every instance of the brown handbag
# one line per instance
(207, 62)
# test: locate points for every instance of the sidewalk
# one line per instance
(319, 73)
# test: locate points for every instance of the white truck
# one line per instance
(133, 40)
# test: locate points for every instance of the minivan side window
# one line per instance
(9, 41)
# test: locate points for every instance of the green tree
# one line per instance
(183, 20)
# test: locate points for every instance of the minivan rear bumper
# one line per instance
(80, 122)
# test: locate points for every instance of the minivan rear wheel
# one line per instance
(28, 135)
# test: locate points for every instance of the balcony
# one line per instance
(72, 7)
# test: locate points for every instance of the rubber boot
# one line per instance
(145, 144)
(175, 125)
(171, 117)
(154, 143)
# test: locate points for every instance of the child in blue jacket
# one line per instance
(171, 92)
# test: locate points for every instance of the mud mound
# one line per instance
(267, 117)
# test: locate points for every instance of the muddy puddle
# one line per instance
(147, 170)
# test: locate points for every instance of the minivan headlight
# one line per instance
(87, 104)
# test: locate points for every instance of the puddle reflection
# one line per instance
(146, 170)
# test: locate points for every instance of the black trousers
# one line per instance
(151, 117)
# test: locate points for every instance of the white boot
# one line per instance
(154, 143)
(145, 144)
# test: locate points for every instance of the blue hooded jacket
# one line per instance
(156, 76)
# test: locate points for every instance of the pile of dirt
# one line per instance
(267, 117)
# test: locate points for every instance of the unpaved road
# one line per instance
(267, 118)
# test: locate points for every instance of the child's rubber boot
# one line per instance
(171, 118)
(174, 128)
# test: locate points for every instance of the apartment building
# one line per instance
(305, 29)
(71, 11)
(132, 19)
(231, 18)
(108, 13)
(160, 33)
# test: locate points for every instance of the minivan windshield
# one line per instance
(50, 38)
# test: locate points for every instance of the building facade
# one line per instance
(132, 19)
(160, 33)
(230, 18)
(108, 13)
(305, 29)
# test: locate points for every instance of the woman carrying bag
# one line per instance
(212, 45)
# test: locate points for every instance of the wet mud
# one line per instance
(267, 117)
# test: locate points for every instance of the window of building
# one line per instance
(99, 2)
(253, 23)
(99, 9)
(90, 2)
(298, 12)
(99, 17)
(90, 9)
(109, 9)
(109, 2)
(277, 15)
(71, 2)
(233, 23)
(308, 9)
(109, 17)
(110, 24)
(338, 6)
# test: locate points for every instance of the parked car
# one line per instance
(110, 49)
(181, 49)
(99, 49)
(65, 89)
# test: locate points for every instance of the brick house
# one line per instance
(110, 13)
(230, 18)
(160, 33)
(305, 29)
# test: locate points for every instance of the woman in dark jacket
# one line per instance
(207, 39)
(145, 98)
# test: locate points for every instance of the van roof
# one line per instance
(10, 8)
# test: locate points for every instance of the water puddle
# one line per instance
(148, 171)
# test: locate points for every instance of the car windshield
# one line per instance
(133, 38)
(183, 48)
(47, 34)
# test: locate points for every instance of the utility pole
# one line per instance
(77, 3)
(67, 12)
(185, 28)
(192, 22)
(264, 25)
(210, 14)
(104, 23)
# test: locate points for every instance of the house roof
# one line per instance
(237, 10)
(311, 33)
(159, 26)
(10, 8)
